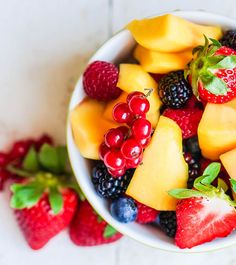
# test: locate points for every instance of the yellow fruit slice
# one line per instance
(163, 168)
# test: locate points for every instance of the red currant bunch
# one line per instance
(123, 146)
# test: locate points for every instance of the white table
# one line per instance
(44, 47)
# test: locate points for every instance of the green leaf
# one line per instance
(55, 200)
(213, 60)
(221, 184)
(26, 195)
(30, 162)
(62, 157)
(48, 158)
(228, 62)
(109, 231)
(197, 49)
(19, 172)
(213, 84)
(215, 43)
(184, 193)
(199, 186)
(211, 173)
(233, 183)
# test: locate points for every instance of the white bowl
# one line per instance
(115, 50)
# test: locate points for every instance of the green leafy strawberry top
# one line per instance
(203, 186)
(43, 171)
(204, 65)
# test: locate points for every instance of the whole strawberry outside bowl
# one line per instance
(116, 50)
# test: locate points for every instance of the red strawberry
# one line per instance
(145, 214)
(213, 73)
(39, 224)
(89, 229)
(204, 213)
(100, 79)
(187, 119)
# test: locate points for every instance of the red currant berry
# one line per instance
(139, 105)
(114, 160)
(141, 128)
(114, 138)
(121, 113)
(103, 149)
(44, 139)
(124, 130)
(131, 149)
(134, 94)
(19, 149)
(4, 159)
(117, 173)
(133, 163)
(145, 142)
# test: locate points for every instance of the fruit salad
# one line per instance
(162, 131)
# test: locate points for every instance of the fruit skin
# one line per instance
(217, 129)
(39, 228)
(163, 168)
(87, 228)
(167, 222)
(169, 33)
(145, 214)
(85, 120)
(187, 119)
(132, 77)
(174, 90)
(100, 79)
(201, 220)
(229, 39)
(124, 210)
(162, 62)
(106, 185)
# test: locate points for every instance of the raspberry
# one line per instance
(100, 79)
(187, 119)
(145, 214)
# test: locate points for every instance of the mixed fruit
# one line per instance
(163, 130)
(46, 198)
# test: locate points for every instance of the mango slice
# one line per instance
(89, 127)
(170, 33)
(217, 129)
(163, 168)
(161, 62)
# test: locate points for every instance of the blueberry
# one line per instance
(124, 210)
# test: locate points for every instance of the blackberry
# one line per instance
(191, 145)
(167, 222)
(193, 169)
(174, 90)
(106, 185)
(229, 39)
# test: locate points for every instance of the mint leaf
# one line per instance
(30, 162)
(213, 84)
(233, 183)
(228, 62)
(199, 186)
(109, 231)
(211, 173)
(26, 195)
(55, 200)
(48, 158)
(184, 193)
(62, 157)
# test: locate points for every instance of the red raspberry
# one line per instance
(145, 214)
(100, 79)
(187, 119)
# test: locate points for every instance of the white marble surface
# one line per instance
(44, 46)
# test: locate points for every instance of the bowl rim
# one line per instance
(70, 144)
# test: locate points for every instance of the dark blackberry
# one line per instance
(191, 145)
(106, 185)
(174, 90)
(167, 222)
(229, 39)
(193, 169)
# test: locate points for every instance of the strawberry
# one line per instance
(187, 119)
(89, 229)
(213, 72)
(44, 200)
(204, 213)
(145, 214)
